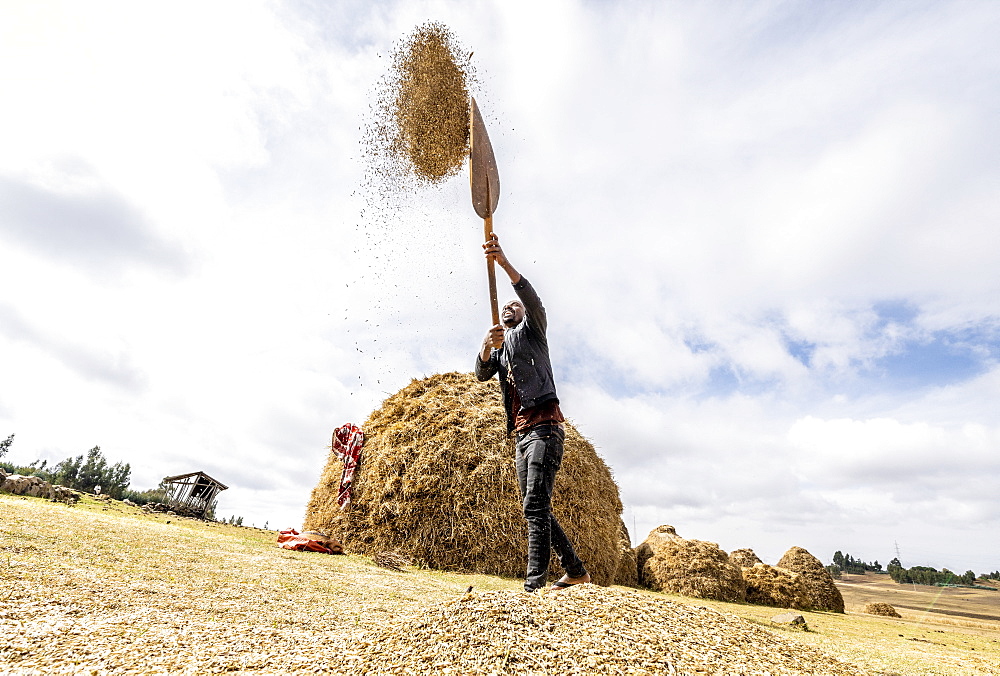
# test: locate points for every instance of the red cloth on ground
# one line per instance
(291, 539)
(347, 442)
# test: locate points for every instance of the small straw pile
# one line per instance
(669, 563)
(823, 593)
(437, 485)
(883, 609)
(583, 630)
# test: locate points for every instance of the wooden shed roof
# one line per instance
(218, 483)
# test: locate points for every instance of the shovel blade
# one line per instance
(483, 174)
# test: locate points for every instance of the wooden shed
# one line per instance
(192, 494)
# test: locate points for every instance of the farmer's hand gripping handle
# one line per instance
(495, 253)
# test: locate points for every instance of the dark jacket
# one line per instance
(525, 353)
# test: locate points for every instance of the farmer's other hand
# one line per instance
(494, 338)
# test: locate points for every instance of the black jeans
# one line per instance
(538, 454)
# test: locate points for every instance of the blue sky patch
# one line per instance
(895, 312)
(944, 358)
(802, 350)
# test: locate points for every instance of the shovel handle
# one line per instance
(491, 271)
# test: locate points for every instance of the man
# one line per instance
(518, 350)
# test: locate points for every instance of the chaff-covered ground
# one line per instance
(108, 590)
(131, 593)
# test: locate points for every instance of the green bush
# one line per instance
(144, 497)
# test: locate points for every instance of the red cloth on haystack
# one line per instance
(309, 542)
(347, 442)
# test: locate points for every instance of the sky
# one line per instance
(766, 235)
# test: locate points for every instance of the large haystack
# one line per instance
(770, 586)
(437, 484)
(667, 562)
(628, 570)
(823, 593)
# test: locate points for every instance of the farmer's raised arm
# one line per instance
(532, 303)
(533, 309)
(494, 251)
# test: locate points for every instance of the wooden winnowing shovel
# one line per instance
(485, 181)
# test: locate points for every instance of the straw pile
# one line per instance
(628, 569)
(883, 609)
(583, 630)
(823, 593)
(744, 558)
(437, 485)
(667, 562)
(421, 122)
(391, 561)
(770, 586)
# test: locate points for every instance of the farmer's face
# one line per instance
(512, 314)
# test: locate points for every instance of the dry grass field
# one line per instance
(942, 630)
(105, 589)
(973, 609)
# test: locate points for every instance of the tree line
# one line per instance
(928, 575)
(845, 563)
(848, 564)
(84, 472)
